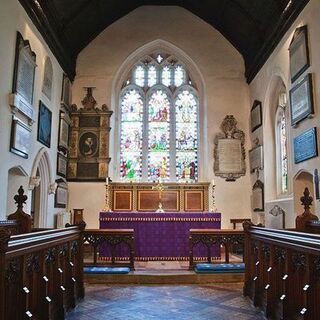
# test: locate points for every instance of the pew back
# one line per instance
(41, 273)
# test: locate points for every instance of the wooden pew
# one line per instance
(41, 273)
(209, 237)
(282, 274)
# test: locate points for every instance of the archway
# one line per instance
(39, 186)
(302, 180)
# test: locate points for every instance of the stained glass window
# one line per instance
(159, 122)
(282, 144)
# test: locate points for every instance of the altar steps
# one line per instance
(172, 277)
(163, 272)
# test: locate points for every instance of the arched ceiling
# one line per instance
(253, 27)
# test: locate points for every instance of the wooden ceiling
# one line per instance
(253, 27)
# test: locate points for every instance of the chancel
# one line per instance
(159, 150)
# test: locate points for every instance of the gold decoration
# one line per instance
(159, 187)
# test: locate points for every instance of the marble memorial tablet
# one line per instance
(305, 145)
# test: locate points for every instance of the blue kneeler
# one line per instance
(106, 270)
(219, 268)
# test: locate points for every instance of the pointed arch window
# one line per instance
(159, 122)
(282, 144)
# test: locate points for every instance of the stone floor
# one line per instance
(185, 302)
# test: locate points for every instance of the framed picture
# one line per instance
(256, 158)
(47, 78)
(61, 195)
(23, 77)
(256, 115)
(20, 138)
(301, 100)
(299, 53)
(62, 163)
(305, 145)
(44, 125)
(63, 143)
(66, 91)
(258, 196)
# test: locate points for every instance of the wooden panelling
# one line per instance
(193, 200)
(175, 197)
(122, 200)
(149, 200)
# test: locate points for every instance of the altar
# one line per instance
(160, 236)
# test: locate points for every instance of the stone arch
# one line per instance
(120, 76)
(276, 85)
(301, 180)
(40, 186)
(17, 176)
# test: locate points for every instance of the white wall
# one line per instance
(225, 91)
(262, 88)
(12, 19)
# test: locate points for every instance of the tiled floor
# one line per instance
(218, 302)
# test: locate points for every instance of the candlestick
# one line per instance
(213, 202)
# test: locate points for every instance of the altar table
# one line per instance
(160, 236)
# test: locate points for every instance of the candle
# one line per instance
(212, 182)
(107, 180)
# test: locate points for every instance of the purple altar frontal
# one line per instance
(160, 236)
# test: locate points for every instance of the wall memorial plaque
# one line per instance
(89, 141)
(229, 153)
(299, 53)
(64, 132)
(20, 138)
(256, 158)
(23, 78)
(61, 194)
(47, 78)
(62, 163)
(301, 100)
(256, 115)
(305, 145)
(258, 196)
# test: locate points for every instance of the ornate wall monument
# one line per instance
(229, 152)
(89, 141)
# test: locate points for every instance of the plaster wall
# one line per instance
(13, 18)
(264, 88)
(224, 91)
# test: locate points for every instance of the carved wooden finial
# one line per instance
(303, 219)
(20, 198)
(89, 102)
(306, 200)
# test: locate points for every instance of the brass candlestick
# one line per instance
(107, 207)
(159, 187)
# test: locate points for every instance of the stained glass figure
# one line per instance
(130, 165)
(186, 136)
(158, 166)
(159, 107)
(159, 136)
(179, 76)
(284, 156)
(152, 76)
(139, 76)
(186, 166)
(132, 106)
(131, 138)
(186, 107)
(166, 76)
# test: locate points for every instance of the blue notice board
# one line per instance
(305, 145)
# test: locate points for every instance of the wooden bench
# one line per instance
(208, 237)
(112, 237)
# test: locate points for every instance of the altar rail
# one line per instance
(113, 238)
(209, 237)
(282, 274)
(11, 225)
(41, 273)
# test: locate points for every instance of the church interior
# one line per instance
(159, 159)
